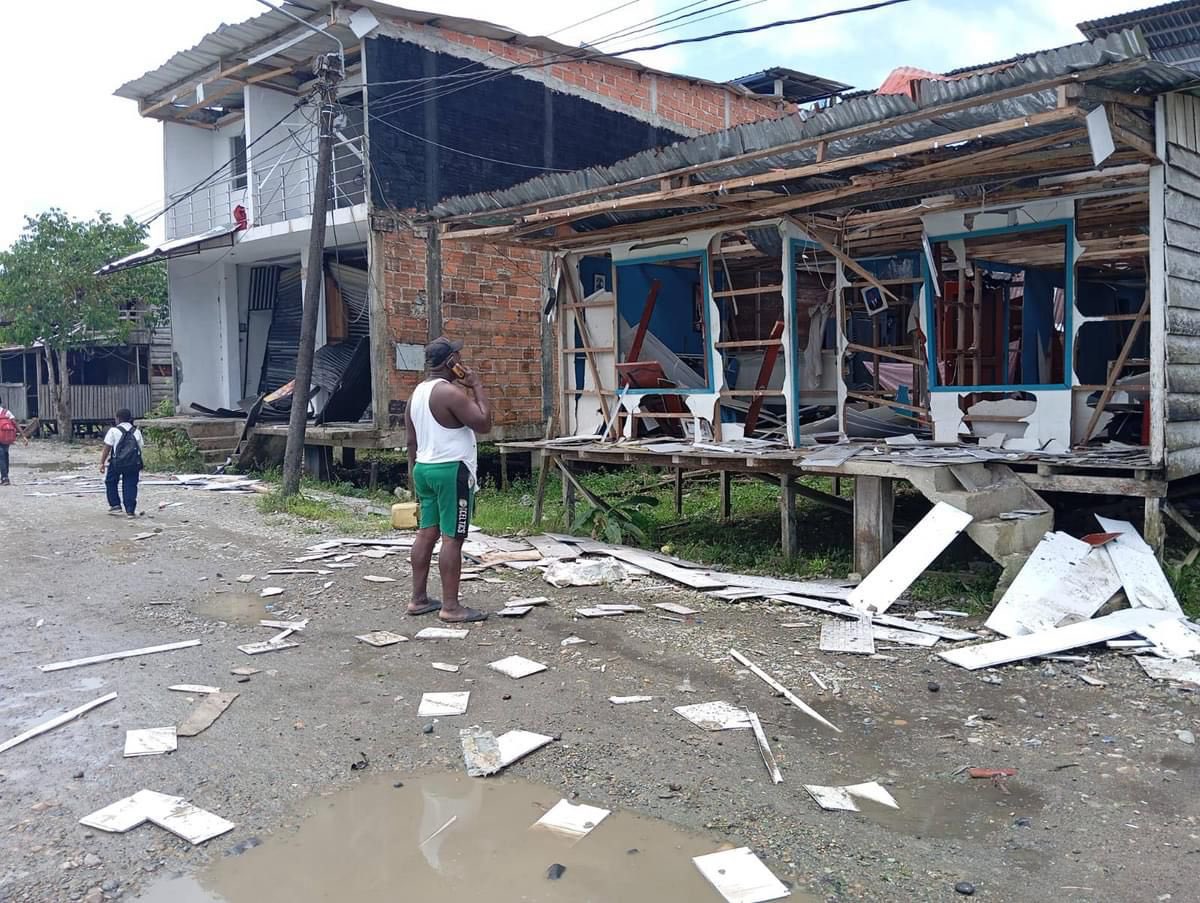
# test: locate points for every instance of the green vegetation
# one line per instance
(749, 544)
(170, 451)
(352, 523)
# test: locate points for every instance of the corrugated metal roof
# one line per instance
(798, 87)
(234, 43)
(1172, 31)
(862, 111)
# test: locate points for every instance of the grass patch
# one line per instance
(324, 511)
(750, 543)
(170, 451)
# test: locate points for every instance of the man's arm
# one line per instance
(410, 436)
(105, 454)
(474, 409)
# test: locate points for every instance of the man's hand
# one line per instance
(103, 466)
(471, 380)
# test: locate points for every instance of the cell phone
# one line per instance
(459, 370)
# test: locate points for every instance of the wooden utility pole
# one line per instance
(328, 73)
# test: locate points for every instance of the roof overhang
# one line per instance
(221, 237)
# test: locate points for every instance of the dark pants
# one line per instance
(3, 462)
(128, 478)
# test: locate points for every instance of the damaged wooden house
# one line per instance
(985, 283)
(430, 107)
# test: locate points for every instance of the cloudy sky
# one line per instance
(69, 143)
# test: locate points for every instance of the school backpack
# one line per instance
(8, 427)
(126, 455)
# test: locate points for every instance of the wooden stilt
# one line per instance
(1153, 528)
(539, 498)
(787, 517)
(726, 484)
(568, 493)
(503, 470)
(679, 491)
(873, 510)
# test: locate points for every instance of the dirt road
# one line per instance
(1103, 805)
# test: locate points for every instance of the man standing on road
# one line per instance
(443, 416)
(9, 432)
(122, 457)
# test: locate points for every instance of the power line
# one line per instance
(478, 77)
(220, 169)
(688, 40)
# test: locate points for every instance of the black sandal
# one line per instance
(471, 615)
(431, 605)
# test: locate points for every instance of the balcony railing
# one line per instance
(276, 191)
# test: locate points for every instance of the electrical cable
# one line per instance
(687, 40)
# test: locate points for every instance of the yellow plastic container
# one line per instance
(405, 515)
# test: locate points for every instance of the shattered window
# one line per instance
(999, 304)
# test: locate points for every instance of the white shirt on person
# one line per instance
(113, 436)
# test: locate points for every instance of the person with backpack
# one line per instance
(122, 457)
(8, 435)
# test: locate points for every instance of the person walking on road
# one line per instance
(122, 458)
(443, 416)
(9, 433)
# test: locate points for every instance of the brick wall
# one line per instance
(692, 104)
(491, 299)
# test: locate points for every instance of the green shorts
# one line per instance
(444, 491)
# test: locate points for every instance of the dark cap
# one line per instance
(437, 351)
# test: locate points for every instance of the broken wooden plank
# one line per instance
(909, 559)
(780, 689)
(764, 747)
(1156, 668)
(685, 576)
(382, 638)
(172, 813)
(549, 547)
(904, 637)
(517, 666)
(115, 656)
(675, 608)
(266, 646)
(284, 625)
(56, 721)
(198, 689)
(854, 636)
(151, 741)
(739, 876)
(1059, 639)
(1064, 579)
(1145, 583)
(203, 715)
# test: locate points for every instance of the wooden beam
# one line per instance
(927, 113)
(849, 262)
(210, 99)
(1049, 117)
(1118, 365)
(570, 274)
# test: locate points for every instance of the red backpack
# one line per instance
(8, 427)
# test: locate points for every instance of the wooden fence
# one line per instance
(97, 404)
(15, 399)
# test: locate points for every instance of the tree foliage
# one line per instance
(49, 291)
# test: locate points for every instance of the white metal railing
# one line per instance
(275, 191)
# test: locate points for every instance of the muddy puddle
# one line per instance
(961, 809)
(234, 607)
(446, 837)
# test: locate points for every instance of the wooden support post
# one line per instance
(568, 493)
(679, 491)
(787, 517)
(373, 479)
(1153, 529)
(977, 326)
(539, 498)
(960, 313)
(503, 470)
(726, 503)
(873, 509)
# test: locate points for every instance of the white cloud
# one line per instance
(71, 144)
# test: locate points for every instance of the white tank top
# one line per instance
(437, 444)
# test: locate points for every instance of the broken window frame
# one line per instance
(1067, 224)
(701, 255)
